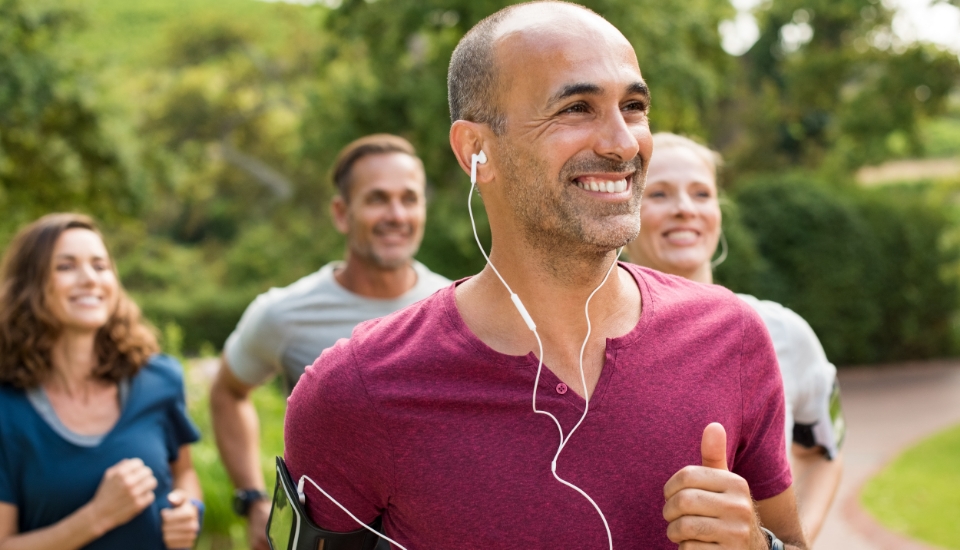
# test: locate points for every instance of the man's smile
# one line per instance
(609, 184)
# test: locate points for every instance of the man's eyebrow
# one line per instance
(585, 88)
(639, 88)
(580, 88)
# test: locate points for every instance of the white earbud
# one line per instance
(474, 160)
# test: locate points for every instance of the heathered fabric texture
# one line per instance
(285, 329)
(417, 419)
(48, 477)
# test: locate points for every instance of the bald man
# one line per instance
(471, 421)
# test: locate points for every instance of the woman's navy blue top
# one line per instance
(48, 476)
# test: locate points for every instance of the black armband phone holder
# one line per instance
(290, 528)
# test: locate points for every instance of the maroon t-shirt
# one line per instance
(416, 419)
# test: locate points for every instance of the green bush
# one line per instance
(865, 267)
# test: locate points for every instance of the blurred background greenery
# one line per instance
(201, 134)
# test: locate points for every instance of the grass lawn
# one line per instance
(919, 493)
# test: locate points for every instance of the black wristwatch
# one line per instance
(772, 541)
(243, 498)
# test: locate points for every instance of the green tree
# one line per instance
(829, 86)
(55, 151)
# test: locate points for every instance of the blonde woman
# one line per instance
(94, 434)
(679, 233)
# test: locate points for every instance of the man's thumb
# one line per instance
(713, 447)
(176, 498)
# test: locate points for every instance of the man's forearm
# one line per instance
(237, 430)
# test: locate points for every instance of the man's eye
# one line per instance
(635, 106)
(576, 108)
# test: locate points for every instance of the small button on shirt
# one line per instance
(561, 388)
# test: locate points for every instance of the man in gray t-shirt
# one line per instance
(381, 208)
(285, 329)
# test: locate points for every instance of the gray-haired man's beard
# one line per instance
(370, 254)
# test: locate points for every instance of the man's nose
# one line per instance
(617, 141)
(396, 210)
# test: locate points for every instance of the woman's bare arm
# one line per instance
(125, 490)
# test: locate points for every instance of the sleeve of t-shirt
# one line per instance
(6, 487)
(761, 456)
(253, 348)
(334, 434)
(180, 429)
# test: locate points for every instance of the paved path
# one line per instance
(887, 409)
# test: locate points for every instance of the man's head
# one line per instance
(553, 94)
(380, 205)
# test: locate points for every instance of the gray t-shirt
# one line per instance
(285, 329)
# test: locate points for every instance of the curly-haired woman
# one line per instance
(94, 432)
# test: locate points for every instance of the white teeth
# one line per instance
(682, 235)
(618, 186)
(88, 300)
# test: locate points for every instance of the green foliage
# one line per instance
(835, 88)
(941, 136)
(745, 269)
(55, 152)
(222, 528)
(868, 269)
(125, 33)
(917, 494)
(205, 139)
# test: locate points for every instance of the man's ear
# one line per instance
(468, 139)
(339, 211)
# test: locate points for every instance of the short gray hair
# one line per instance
(472, 79)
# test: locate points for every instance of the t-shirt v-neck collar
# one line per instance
(41, 404)
(549, 380)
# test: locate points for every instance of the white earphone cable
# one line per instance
(526, 317)
(536, 383)
(342, 507)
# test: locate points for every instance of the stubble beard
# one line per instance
(557, 220)
(369, 254)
